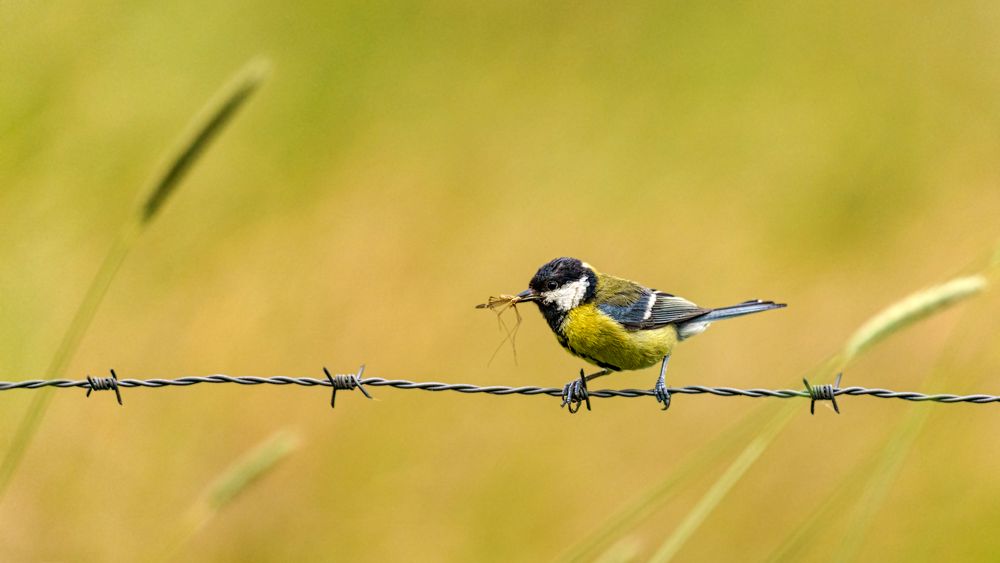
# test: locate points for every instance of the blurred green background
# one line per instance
(406, 160)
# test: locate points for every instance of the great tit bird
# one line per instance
(617, 324)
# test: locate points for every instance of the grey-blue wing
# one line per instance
(653, 309)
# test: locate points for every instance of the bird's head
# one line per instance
(561, 285)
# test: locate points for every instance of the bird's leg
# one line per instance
(597, 374)
(660, 390)
(575, 392)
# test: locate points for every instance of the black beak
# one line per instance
(527, 295)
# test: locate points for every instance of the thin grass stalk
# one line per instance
(792, 546)
(881, 469)
(892, 455)
(909, 310)
(895, 323)
(212, 120)
(879, 482)
(693, 465)
(718, 491)
(233, 482)
(894, 318)
(78, 326)
(624, 550)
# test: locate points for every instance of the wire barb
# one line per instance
(347, 382)
(824, 392)
(104, 384)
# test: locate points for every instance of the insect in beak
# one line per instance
(527, 295)
(499, 305)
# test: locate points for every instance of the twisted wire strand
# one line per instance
(499, 389)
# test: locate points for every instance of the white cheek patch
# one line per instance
(568, 296)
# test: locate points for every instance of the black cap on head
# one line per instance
(560, 272)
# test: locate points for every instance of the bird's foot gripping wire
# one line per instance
(575, 394)
(661, 393)
(660, 389)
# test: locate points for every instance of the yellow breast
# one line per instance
(597, 338)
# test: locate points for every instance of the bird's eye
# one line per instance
(551, 284)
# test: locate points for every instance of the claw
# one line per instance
(661, 394)
(575, 394)
(660, 389)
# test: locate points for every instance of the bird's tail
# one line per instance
(697, 325)
(745, 308)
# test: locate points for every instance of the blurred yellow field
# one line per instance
(402, 162)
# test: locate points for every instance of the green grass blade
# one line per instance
(694, 464)
(893, 319)
(233, 482)
(193, 145)
(624, 550)
(67, 347)
(890, 460)
(882, 477)
(910, 310)
(205, 128)
(792, 546)
(247, 470)
(714, 496)
(880, 470)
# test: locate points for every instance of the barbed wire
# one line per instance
(347, 382)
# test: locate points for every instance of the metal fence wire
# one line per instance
(573, 399)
